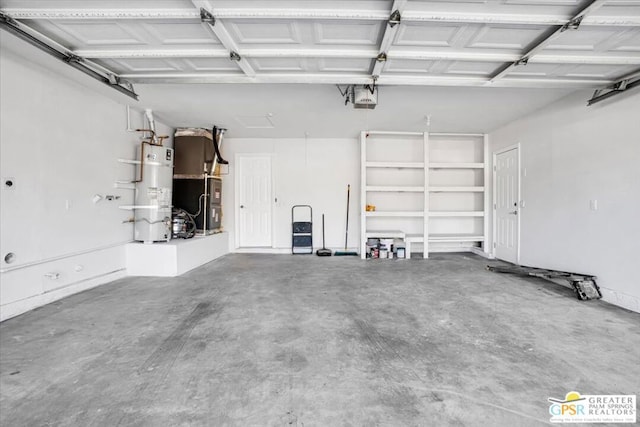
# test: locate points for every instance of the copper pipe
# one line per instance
(142, 144)
(153, 134)
(154, 137)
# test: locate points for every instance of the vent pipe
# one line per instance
(152, 124)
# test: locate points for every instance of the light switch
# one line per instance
(593, 204)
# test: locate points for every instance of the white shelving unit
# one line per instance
(395, 179)
(425, 184)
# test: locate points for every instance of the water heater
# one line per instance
(153, 194)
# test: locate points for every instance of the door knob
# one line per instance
(241, 206)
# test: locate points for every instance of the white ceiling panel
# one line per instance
(341, 33)
(437, 35)
(408, 66)
(95, 34)
(599, 71)
(443, 42)
(589, 39)
(107, 33)
(505, 37)
(82, 34)
(473, 68)
(619, 8)
(174, 32)
(525, 7)
(144, 65)
(278, 64)
(260, 32)
(345, 65)
(535, 70)
(543, 2)
(602, 72)
(306, 4)
(92, 4)
(211, 65)
(629, 44)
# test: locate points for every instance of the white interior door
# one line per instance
(506, 200)
(254, 201)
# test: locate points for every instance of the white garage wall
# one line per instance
(314, 172)
(572, 154)
(60, 141)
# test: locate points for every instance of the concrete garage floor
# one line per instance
(261, 340)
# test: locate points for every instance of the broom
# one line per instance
(324, 251)
(346, 237)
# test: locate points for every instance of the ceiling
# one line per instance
(432, 58)
(293, 110)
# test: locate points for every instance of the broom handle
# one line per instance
(346, 234)
(323, 244)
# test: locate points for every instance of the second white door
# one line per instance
(506, 205)
(254, 201)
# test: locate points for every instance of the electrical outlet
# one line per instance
(593, 204)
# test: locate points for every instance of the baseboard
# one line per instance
(16, 308)
(452, 249)
(273, 251)
(479, 251)
(287, 251)
(280, 251)
(620, 299)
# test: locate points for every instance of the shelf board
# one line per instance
(456, 134)
(195, 176)
(399, 133)
(456, 238)
(150, 207)
(394, 188)
(456, 214)
(129, 161)
(395, 213)
(456, 165)
(450, 189)
(385, 234)
(396, 165)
